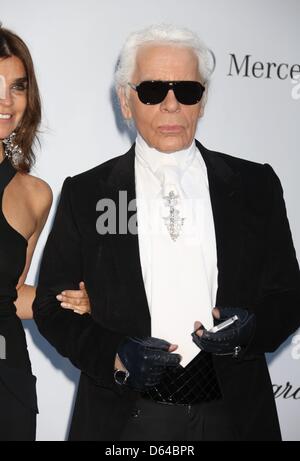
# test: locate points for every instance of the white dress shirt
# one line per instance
(180, 276)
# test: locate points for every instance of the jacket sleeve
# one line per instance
(278, 309)
(88, 345)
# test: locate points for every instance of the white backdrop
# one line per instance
(75, 44)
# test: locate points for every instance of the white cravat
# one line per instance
(180, 275)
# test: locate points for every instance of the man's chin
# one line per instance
(171, 148)
(170, 144)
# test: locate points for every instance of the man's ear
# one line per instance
(201, 112)
(203, 102)
(124, 103)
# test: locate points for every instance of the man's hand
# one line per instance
(230, 340)
(146, 360)
(76, 300)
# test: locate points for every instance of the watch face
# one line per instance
(121, 376)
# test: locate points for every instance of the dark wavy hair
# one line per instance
(26, 134)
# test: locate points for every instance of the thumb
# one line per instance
(197, 325)
(198, 328)
(216, 313)
(173, 347)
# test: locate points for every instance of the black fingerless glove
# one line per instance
(146, 360)
(232, 339)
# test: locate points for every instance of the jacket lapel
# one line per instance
(226, 200)
(124, 246)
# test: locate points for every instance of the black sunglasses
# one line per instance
(154, 91)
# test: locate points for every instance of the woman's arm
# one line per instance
(41, 202)
(26, 295)
(76, 300)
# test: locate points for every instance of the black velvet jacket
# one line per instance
(257, 268)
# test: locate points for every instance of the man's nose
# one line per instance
(170, 103)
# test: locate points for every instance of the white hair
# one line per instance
(166, 34)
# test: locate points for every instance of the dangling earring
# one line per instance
(12, 150)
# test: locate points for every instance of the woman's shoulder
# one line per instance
(38, 191)
(35, 185)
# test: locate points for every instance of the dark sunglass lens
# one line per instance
(152, 92)
(188, 92)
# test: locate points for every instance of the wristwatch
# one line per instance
(121, 376)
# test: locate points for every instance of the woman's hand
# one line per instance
(76, 300)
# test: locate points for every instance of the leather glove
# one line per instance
(230, 340)
(146, 360)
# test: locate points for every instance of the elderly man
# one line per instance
(198, 238)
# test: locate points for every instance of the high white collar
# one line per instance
(154, 159)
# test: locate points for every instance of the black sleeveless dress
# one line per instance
(18, 403)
